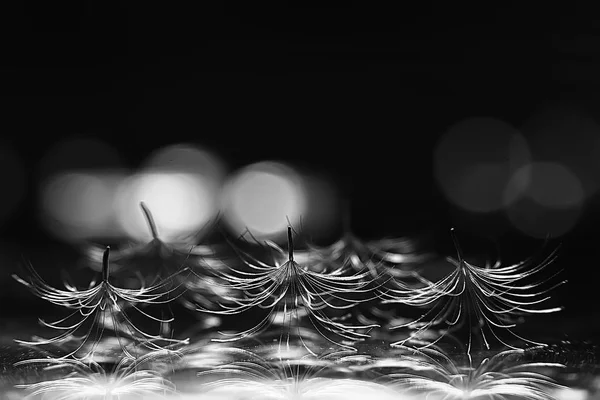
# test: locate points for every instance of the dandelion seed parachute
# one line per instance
(389, 260)
(489, 299)
(287, 289)
(158, 259)
(100, 305)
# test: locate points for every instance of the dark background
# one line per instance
(360, 92)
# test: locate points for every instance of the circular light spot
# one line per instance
(540, 222)
(479, 188)
(518, 185)
(474, 161)
(262, 198)
(547, 199)
(181, 204)
(78, 205)
(553, 185)
(189, 159)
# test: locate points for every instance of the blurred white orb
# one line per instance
(181, 186)
(546, 199)
(475, 159)
(79, 205)
(264, 198)
(181, 204)
(187, 158)
(553, 185)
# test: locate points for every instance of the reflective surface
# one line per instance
(264, 367)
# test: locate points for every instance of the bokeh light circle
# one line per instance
(474, 160)
(78, 205)
(262, 198)
(181, 185)
(546, 199)
(187, 158)
(181, 204)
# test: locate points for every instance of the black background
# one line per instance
(355, 90)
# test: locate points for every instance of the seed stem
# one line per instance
(105, 264)
(290, 244)
(457, 246)
(149, 220)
